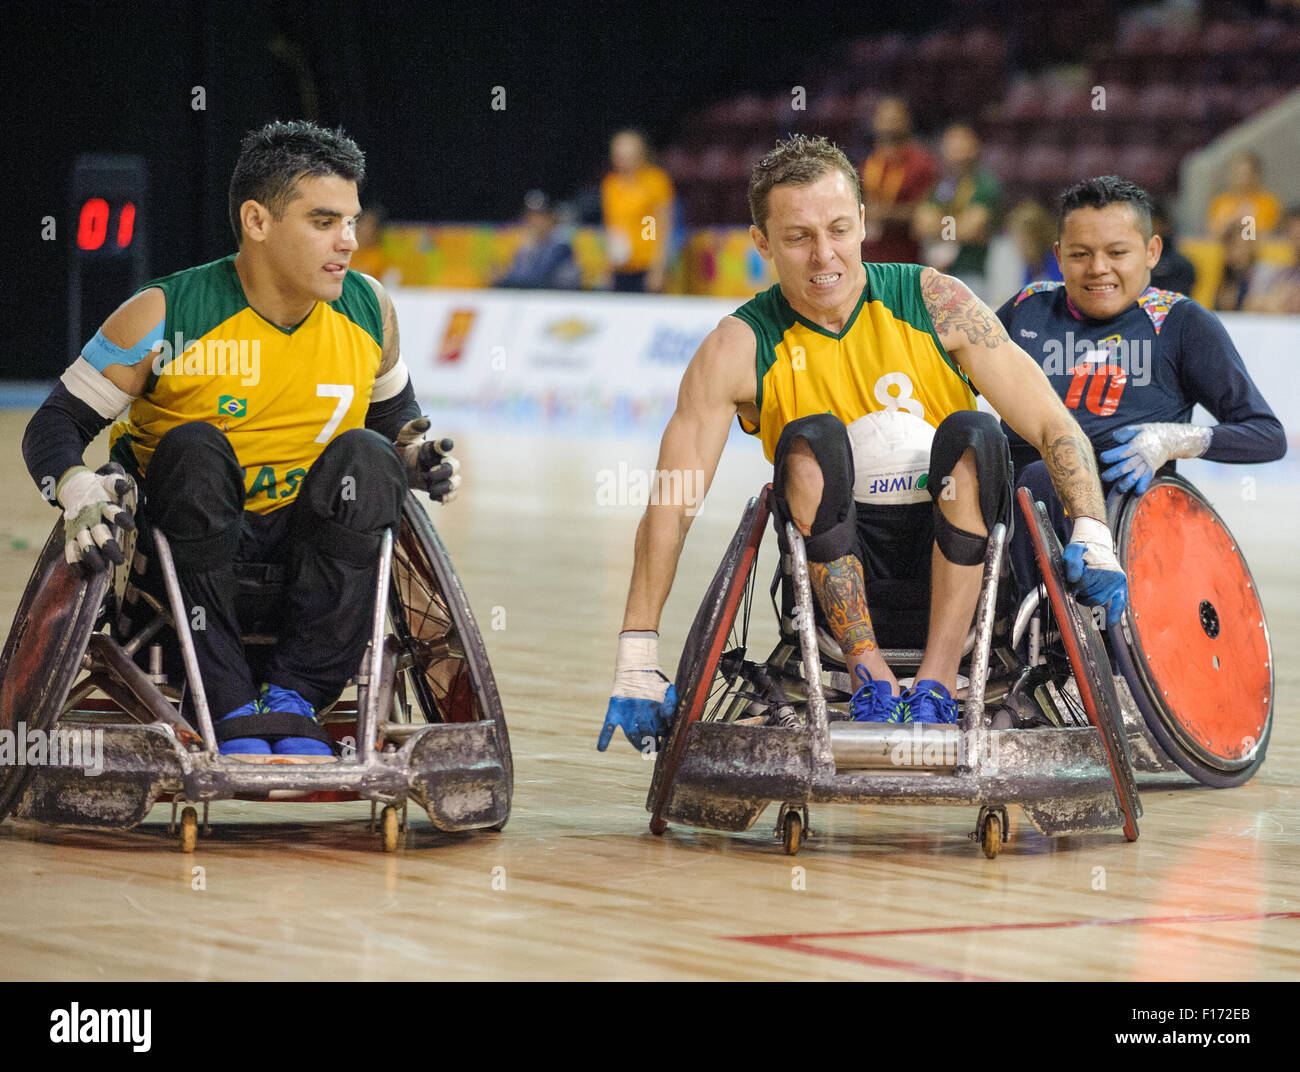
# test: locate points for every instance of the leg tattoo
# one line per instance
(842, 594)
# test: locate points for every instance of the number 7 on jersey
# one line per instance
(343, 392)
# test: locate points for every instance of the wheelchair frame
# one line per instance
(460, 772)
(723, 774)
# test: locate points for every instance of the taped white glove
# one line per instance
(429, 464)
(93, 503)
(1092, 569)
(1144, 448)
(643, 698)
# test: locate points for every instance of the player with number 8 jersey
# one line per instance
(860, 380)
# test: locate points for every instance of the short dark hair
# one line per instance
(798, 160)
(1107, 190)
(273, 159)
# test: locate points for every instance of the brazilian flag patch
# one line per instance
(230, 406)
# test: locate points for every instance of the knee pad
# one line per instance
(835, 526)
(958, 546)
(959, 432)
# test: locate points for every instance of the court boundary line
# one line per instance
(803, 942)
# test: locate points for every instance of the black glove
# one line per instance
(428, 462)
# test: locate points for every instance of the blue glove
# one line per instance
(1144, 448)
(643, 700)
(1092, 570)
(640, 720)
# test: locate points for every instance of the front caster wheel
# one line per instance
(389, 828)
(189, 830)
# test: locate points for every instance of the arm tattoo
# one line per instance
(1073, 469)
(843, 596)
(957, 312)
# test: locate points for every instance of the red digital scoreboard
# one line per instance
(109, 258)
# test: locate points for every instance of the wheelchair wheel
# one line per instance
(42, 654)
(444, 675)
(1194, 645)
(713, 656)
(1087, 654)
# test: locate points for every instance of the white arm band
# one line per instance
(95, 389)
(390, 384)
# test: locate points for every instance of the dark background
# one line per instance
(412, 83)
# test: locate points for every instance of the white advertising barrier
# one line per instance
(552, 353)
(587, 356)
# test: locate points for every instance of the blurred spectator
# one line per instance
(1239, 256)
(896, 177)
(1245, 196)
(369, 254)
(1173, 271)
(545, 261)
(955, 224)
(637, 202)
(1033, 229)
(1277, 290)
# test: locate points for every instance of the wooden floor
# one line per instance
(577, 888)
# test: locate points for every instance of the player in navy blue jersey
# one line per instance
(1129, 360)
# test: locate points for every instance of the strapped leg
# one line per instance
(813, 482)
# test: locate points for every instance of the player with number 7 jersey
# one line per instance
(279, 396)
(270, 420)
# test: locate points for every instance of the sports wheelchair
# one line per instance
(1045, 723)
(91, 657)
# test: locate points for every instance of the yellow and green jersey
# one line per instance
(887, 357)
(279, 396)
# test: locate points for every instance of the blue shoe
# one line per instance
(928, 702)
(875, 701)
(243, 746)
(275, 698)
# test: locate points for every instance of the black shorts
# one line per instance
(893, 541)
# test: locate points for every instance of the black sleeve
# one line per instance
(1213, 374)
(57, 436)
(388, 416)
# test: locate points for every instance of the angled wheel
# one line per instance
(712, 659)
(42, 655)
(444, 675)
(1194, 645)
(1087, 654)
(991, 841)
(792, 833)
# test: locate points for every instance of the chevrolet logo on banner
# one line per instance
(570, 330)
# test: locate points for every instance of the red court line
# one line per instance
(1137, 921)
(800, 943)
(789, 943)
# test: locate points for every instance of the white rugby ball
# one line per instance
(891, 457)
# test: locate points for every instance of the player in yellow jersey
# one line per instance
(826, 367)
(269, 418)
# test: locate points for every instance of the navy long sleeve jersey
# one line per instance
(1152, 362)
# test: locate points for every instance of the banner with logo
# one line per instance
(572, 354)
(552, 353)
